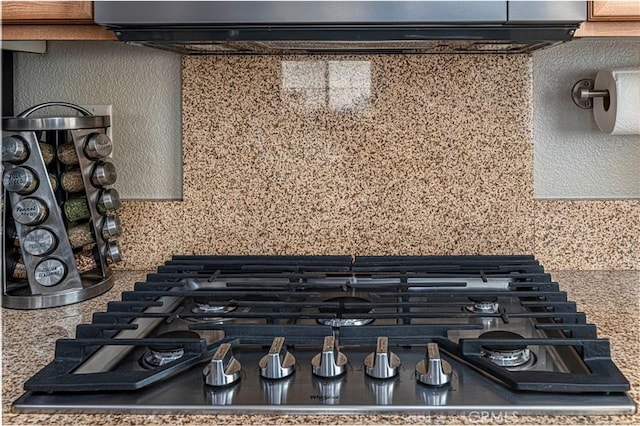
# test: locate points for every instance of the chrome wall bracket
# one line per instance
(583, 92)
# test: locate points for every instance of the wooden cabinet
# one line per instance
(51, 20)
(611, 19)
(614, 11)
(47, 12)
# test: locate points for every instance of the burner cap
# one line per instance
(163, 353)
(483, 299)
(506, 336)
(177, 334)
(344, 310)
(484, 304)
(514, 357)
(210, 304)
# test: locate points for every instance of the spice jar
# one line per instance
(72, 181)
(21, 180)
(110, 227)
(76, 209)
(109, 200)
(50, 272)
(113, 252)
(98, 145)
(14, 149)
(87, 260)
(103, 174)
(16, 268)
(39, 242)
(30, 211)
(67, 154)
(47, 151)
(53, 180)
(80, 235)
(15, 239)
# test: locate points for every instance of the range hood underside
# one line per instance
(347, 40)
(313, 26)
(310, 48)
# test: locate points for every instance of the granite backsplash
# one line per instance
(393, 154)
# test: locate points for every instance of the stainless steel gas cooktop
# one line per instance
(336, 334)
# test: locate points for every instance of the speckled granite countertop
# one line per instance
(611, 300)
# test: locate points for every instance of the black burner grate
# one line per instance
(413, 300)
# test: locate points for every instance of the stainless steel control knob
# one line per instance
(433, 370)
(278, 363)
(330, 362)
(224, 368)
(382, 364)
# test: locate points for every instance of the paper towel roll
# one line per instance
(619, 114)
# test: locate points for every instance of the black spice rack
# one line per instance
(42, 267)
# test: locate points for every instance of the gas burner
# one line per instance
(161, 354)
(211, 305)
(484, 304)
(342, 310)
(512, 356)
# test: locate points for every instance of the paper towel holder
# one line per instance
(582, 93)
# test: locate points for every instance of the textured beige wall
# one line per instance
(362, 155)
(142, 85)
(573, 158)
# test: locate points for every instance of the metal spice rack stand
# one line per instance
(35, 293)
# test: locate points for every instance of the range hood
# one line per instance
(308, 27)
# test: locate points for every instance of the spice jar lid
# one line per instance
(113, 251)
(111, 227)
(104, 173)
(20, 180)
(14, 149)
(29, 211)
(39, 242)
(109, 199)
(98, 145)
(50, 272)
